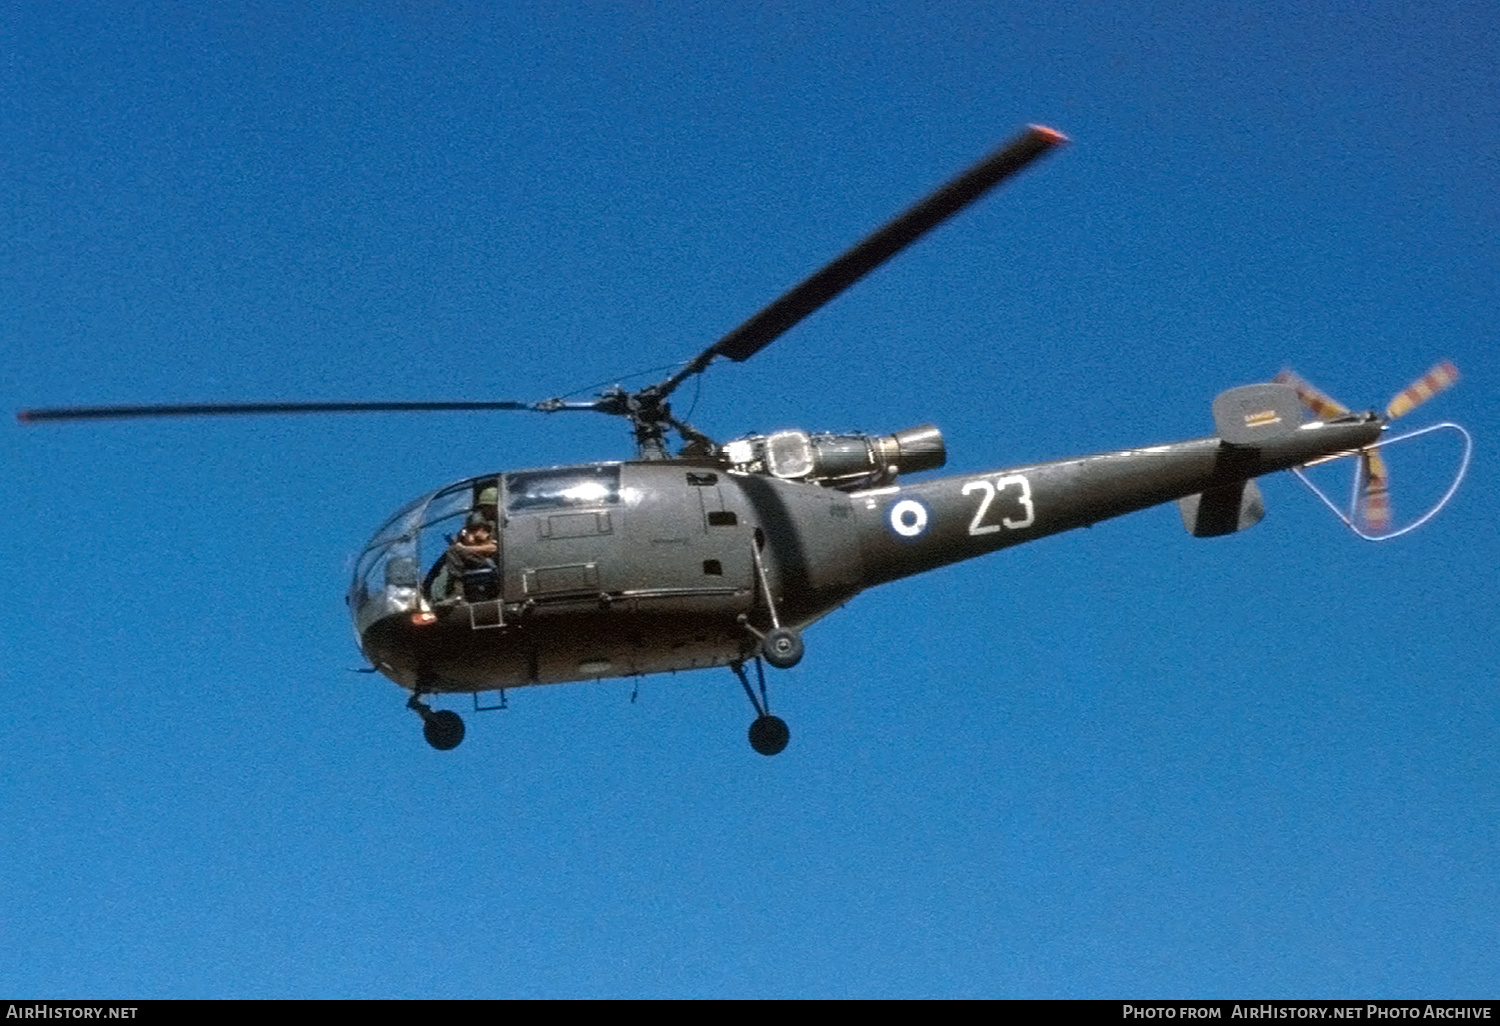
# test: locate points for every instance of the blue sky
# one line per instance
(1119, 762)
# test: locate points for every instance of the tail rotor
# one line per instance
(1370, 513)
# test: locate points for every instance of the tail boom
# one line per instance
(917, 527)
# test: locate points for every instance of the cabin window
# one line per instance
(703, 479)
(722, 518)
(569, 488)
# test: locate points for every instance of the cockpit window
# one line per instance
(402, 525)
(388, 576)
(557, 489)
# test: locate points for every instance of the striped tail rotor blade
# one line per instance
(1441, 377)
(1322, 405)
(1375, 497)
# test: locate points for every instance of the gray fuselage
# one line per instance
(612, 570)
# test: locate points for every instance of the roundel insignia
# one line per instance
(908, 518)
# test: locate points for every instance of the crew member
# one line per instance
(475, 548)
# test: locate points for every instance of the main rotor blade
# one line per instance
(231, 409)
(824, 285)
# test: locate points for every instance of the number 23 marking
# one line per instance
(989, 491)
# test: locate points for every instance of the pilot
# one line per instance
(475, 548)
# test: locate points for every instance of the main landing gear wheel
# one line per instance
(443, 730)
(769, 734)
(782, 648)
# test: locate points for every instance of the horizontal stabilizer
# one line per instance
(1255, 414)
(1222, 510)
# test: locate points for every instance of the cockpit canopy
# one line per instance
(397, 570)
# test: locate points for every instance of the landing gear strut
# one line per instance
(780, 646)
(768, 734)
(443, 729)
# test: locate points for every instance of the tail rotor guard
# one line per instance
(1369, 512)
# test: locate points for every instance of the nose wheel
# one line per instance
(443, 729)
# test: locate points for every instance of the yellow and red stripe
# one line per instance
(1324, 406)
(1428, 385)
(1375, 498)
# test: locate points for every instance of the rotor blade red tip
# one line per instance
(1052, 135)
(24, 416)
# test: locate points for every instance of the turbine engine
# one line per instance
(846, 462)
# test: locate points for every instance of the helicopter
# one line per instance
(723, 554)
